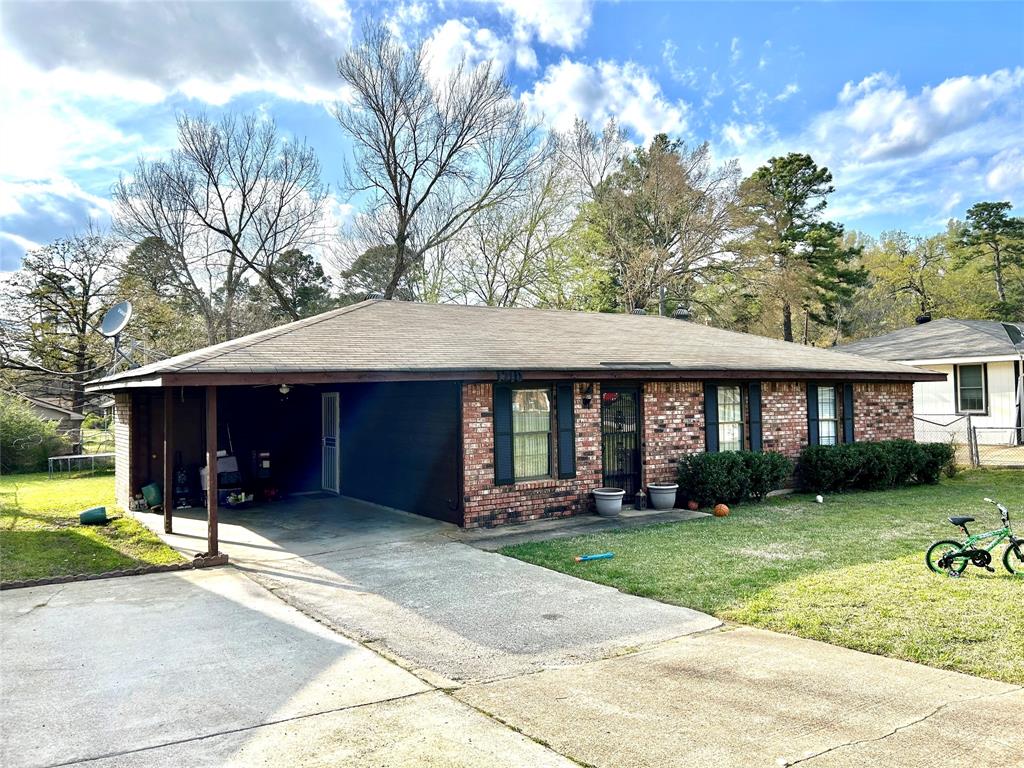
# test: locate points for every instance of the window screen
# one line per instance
(531, 433)
(828, 416)
(730, 419)
(971, 388)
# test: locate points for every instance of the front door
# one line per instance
(329, 458)
(620, 438)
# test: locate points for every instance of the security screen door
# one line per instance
(329, 460)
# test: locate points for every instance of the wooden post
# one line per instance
(168, 458)
(211, 471)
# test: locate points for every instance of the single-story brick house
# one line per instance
(481, 415)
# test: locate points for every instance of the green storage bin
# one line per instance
(93, 516)
(151, 493)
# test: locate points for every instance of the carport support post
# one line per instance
(168, 458)
(211, 471)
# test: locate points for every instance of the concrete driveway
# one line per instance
(208, 668)
(494, 662)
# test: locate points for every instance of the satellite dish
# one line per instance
(116, 319)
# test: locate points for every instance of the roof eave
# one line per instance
(251, 378)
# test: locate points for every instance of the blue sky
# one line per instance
(918, 108)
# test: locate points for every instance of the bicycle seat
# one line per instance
(961, 520)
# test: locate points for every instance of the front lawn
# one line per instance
(40, 536)
(850, 571)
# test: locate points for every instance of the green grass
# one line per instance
(849, 572)
(40, 536)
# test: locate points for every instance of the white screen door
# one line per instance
(329, 461)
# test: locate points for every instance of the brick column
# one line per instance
(784, 417)
(673, 426)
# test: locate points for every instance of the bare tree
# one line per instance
(509, 249)
(591, 157)
(429, 154)
(229, 202)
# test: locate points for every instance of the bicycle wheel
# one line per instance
(1013, 559)
(940, 548)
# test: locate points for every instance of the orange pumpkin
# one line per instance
(692, 505)
(721, 510)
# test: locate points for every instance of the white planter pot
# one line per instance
(662, 495)
(609, 501)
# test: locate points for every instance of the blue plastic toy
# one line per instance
(602, 556)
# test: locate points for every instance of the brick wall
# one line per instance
(673, 425)
(122, 427)
(486, 504)
(784, 417)
(883, 411)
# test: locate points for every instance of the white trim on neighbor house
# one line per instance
(964, 360)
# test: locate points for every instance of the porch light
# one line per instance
(284, 389)
(588, 396)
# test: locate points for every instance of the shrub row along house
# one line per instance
(482, 416)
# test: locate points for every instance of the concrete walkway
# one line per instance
(482, 661)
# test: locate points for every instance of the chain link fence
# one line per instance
(999, 446)
(953, 429)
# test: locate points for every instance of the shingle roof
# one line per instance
(947, 338)
(398, 337)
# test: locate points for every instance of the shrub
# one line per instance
(731, 477)
(708, 478)
(766, 472)
(871, 465)
(939, 458)
(25, 439)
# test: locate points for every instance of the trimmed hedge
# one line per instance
(731, 477)
(872, 466)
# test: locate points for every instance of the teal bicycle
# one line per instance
(953, 557)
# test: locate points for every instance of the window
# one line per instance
(970, 395)
(531, 433)
(730, 419)
(828, 416)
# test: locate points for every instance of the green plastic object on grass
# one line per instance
(93, 516)
(151, 493)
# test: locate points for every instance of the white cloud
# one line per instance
(878, 119)
(454, 41)
(214, 50)
(892, 151)
(688, 76)
(1006, 171)
(597, 92)
(791, 89)
(735, 52)
(563, 24)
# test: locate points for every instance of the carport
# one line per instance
(395, 444)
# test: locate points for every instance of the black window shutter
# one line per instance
(848, 436)
(711, 418)
(754, 415)
(503, 470)
(566, 431)
(812, 414)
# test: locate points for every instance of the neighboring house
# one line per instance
(481, 415)
(69, 423)
(983, 366)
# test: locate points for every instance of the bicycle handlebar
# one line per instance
(1003, 511)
